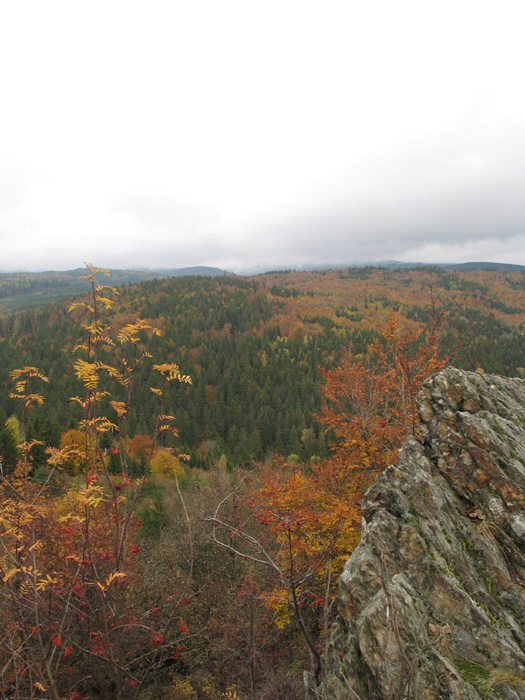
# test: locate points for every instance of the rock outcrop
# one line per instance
(432, 601)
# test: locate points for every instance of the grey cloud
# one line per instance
(447, 194)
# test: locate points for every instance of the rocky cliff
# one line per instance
(432, 602)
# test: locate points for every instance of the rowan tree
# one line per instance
(72, 621)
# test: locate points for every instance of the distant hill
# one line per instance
(26, 290)
(450, 266)
(198, 270)
(484, 266)
(20, 291)
(396, 264)
(453, 266)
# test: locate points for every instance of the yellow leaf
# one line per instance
(74, 306)
(108, 303)
(27, 373)
(10, 574)
(114, 577)
(170, 371)
(87, 373)
(100, 287)
(45, 582)
(119, 407)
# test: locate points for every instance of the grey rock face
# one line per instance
(432, 601)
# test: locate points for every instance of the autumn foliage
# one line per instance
(98, 595)
(71, 621)
(310, 513)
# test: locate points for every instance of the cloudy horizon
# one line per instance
(247, 136)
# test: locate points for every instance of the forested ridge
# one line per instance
(254, 346)
(25, 290)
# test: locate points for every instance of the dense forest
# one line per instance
(183, 461)
(254, 347)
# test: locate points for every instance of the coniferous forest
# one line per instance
(254, 347)
(183, 461)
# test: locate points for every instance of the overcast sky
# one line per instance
(246, 134)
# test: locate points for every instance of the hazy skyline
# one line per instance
(243, 134)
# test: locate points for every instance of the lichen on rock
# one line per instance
(432, 601)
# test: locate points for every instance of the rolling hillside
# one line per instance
(253, 346)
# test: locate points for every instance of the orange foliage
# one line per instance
(369, 403)
(312, 512)
(140, 445)
(369, 409)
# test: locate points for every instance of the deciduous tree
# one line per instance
(311, 512)
(72, 620)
